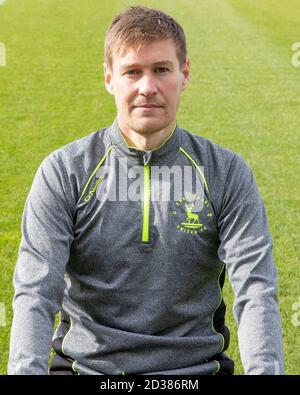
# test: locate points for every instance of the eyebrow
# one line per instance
(160, 63)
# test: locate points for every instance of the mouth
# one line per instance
(148, 107)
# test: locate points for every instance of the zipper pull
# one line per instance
(147, 157)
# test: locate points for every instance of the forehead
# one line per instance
(152, 52)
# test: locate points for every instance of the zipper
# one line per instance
(146, 204)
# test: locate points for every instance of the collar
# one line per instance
(160, 155)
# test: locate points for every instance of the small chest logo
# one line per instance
(192, 222)
(93, 190)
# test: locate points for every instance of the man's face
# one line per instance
(147, 86)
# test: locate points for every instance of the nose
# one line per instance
(147, 85)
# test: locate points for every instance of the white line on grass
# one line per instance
(296, 316)
(2, 314)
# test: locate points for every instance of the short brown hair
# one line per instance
(140, 25)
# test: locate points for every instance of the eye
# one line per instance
(161, 70)
(132, 72)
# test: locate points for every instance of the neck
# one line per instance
(146, 141)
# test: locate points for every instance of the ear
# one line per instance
(108, 79)
(185, 70)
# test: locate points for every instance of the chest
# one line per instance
(146, 216)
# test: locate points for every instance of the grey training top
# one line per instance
(138, 278)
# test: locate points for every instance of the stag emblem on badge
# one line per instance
(192, 223)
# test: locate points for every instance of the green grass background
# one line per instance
(244, 94)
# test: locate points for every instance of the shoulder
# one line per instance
(87, 146)
(69, 166)
(208, 152)
(215, 158)
(226, 171)
(79, 156)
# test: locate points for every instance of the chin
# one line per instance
(148, 125)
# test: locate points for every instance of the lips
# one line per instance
(148, 106)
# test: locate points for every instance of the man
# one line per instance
(138, 280)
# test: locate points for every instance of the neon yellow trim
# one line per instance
(164, 142)
(63, 343)
(218, 367)
(212, 318)
(74, 367)
(195, 164)
(128, 146)
(146, 204)
(96, 169)
(167, 138)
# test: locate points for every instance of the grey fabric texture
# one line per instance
(134, 306)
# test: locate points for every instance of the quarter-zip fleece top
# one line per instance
(139, 281)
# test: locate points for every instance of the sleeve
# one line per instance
(47, 234)
(246, 249)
